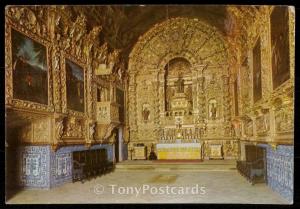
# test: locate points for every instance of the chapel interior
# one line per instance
(92, 90)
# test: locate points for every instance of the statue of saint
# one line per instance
(213, 111)
(180, 84)
(146, 114)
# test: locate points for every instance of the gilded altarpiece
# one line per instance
(180, 93)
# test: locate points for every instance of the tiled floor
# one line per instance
(156, 187)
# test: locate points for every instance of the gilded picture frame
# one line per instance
(9, 98)
(65, 108)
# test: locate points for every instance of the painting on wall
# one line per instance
(257, 88)
(30, 73)
(280, 46)
(75, 86)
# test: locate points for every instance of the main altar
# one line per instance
(179, 141)
(179, 151)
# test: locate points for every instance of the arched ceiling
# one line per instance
(192, 39)
(124, 24)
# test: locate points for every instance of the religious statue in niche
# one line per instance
(146, 112)
(103, 94)
(177, 77)
(212, 109)
(180, 84)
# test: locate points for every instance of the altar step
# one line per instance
(148, 165)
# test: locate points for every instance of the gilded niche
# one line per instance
(178, 87)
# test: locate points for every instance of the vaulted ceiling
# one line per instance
(124, 24)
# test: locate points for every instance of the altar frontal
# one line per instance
(179, 151)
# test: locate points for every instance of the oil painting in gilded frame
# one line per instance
(257, 87)
(75, 86)
(280, 46)
(30, 70)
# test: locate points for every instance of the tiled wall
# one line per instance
(61, 167)
(38, 162)
(280, 170)
(62, 162)
(34, 166)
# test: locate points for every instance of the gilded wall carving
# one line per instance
(35, 131)
(41, 130)
(266, 127)
(26, 134)
(284, 120)
(64, 38)
(263, 124)
(74, 128)
(215, 60)
(248, 126)
(59, 129)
